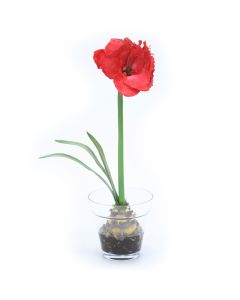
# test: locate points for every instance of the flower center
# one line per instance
(127, 70)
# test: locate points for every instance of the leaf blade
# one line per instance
(104, 161)
(85, 147)
(64, 155)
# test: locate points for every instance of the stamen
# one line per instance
(127, 70)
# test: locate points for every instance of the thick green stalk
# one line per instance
(120, 152)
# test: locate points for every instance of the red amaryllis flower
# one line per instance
(130, 65)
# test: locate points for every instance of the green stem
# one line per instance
(120, 152)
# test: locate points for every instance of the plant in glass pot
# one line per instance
(131, 67)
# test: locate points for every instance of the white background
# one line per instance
(181, 142)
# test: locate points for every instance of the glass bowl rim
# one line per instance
(127, 188)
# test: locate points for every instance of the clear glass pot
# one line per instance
(120, 228)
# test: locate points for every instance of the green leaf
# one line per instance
(82, 164)
(85, 147)
(104, 161)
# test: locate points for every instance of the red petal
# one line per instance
(142, 77)
(141, 81)
(109, 65)
(124, 89)
(136, 59)
(98, 57)
(115, 45)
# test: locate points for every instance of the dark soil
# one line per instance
(128, 245)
